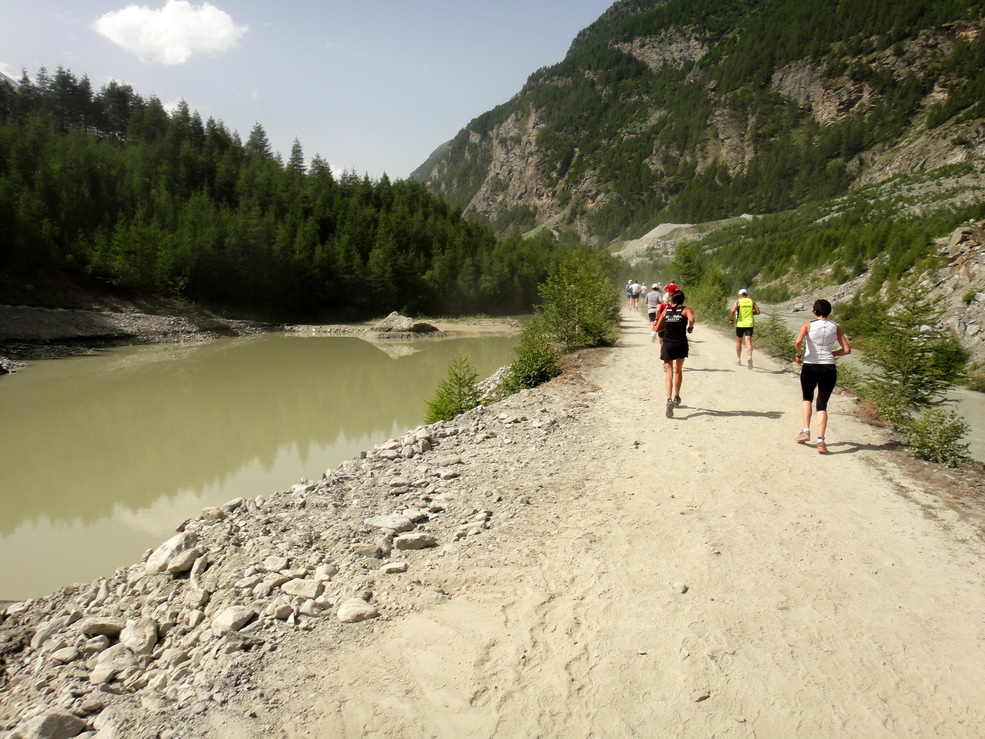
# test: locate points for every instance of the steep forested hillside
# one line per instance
(112, 187)
(692, 110)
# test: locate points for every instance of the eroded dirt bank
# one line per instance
(569, 562)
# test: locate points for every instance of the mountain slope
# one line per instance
(694, 110)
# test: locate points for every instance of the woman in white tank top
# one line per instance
(818, 370)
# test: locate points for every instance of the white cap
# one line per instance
(743, 291)
(656, 286)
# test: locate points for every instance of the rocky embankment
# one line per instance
(28, 332)
(142, 653)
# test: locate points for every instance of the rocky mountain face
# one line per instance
(529, 164)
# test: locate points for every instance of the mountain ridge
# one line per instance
(649, 119)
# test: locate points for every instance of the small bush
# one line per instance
(850, 376)
(936, 437)
(913, 363)
(580, 306)
(536, 361)
(457, 393)
(774, 338)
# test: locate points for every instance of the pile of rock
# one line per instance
(145, 652)
(396, 326)
(7, 366)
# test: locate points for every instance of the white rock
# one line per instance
(183, 561)
(415, 541)
(275, 564)
(173, 656)
(110, 627)
(233, 618)
(54, 724)
(66, 655)
(177, 544)
(140, 635)
(111, 663)
(393, 568)
(394, 522)
(48, 630)
(309, 589)
(355, 610)
(416, 515)
(326, 572)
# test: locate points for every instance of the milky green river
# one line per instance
(101, 457)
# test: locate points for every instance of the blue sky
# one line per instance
(371, 85)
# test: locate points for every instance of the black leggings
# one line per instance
(820, 376)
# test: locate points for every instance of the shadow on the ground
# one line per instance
(728, 414)
(849, 447)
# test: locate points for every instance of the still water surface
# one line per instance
(101, 457)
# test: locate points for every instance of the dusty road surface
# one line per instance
(696, 576)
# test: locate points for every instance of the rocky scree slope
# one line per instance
(153, 649)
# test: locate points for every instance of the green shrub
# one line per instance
(775, 338)
(850, 376)
(457, 393)
(536, 361)
(579, 303)
(936, 436)
(914, 364)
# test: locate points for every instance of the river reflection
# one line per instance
(100, 457)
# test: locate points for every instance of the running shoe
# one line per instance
(653, 336)
(803, 436)
(749, 363)
(822, 448)
(677, 401)
(670, 407)
(738, 361)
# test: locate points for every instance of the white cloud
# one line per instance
(172, 34)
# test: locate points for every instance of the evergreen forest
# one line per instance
(109, 187)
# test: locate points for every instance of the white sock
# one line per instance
(807, 431)
(820, 440)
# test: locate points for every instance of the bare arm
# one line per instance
(755, 308)
(800, 338)
(690, 319)
(846, 348)
(731, 315)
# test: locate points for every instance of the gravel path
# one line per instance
(587, 567)
(696, 576)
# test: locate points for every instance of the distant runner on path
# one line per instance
(818, 370)
(742, 315)
(676, 322)
(653, 300)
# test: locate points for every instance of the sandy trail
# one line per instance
(825, 597)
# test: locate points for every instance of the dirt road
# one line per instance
(696, 576)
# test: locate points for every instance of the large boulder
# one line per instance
(398, 324)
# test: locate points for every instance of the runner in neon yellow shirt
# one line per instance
(743, 315)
